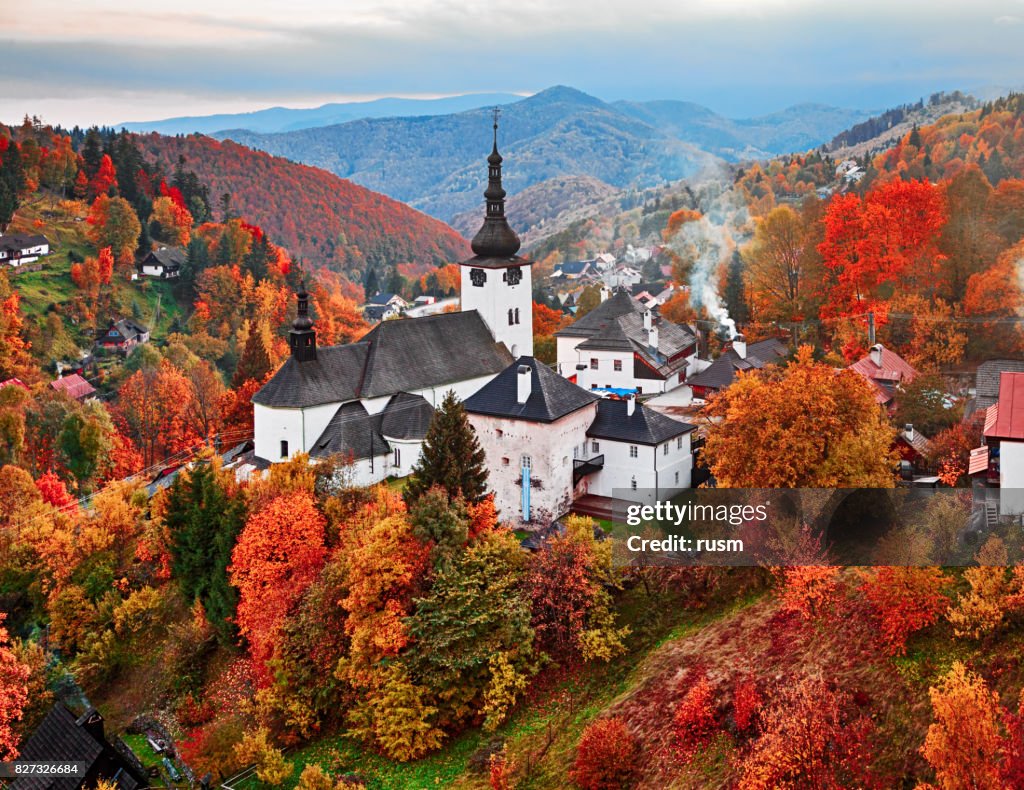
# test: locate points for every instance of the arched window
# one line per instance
(517, 315)
(398, 457)
(510, 316)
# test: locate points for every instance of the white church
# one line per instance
(371, 402)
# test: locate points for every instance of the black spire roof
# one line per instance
(495, 244)
(302, 337)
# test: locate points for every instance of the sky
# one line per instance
(111, 61)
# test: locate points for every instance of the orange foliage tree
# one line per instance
(278, 555)
(113, 224)
(809, 427)
(13, 694)
(174, 220)
(695, 720)
(153, 410)
(904, 600)
(607, 757)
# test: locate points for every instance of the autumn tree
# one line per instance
(825, 425)
(173, 221)
(964, 745)
(981, 609)
(903, 600)
(607, 757)
(255, 362)
(153, 410)
(14, 677)
(472, 635)
(15, 360)
(451, 456)
(113, 224)
(969, 240)
(993, 301)
(278, 555)
(568, 583)
(695, 722)
(925, 404)
(204, 516)
(811, 738)
(784, 271)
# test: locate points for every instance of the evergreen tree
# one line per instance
(197, 259)
(735, 293)
(92, 151)
(258, 257)
(255, 362)
(12, 182)
(473, 642)
(204, 520)
(371, 284)
(439, 523)
(451, 457)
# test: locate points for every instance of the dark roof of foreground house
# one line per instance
(643, 426)
(551, 396)
(618, 304)
(397, 356)
(351, 431)
(986, 380)
(63, 737)
(722, 372)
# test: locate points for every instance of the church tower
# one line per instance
(302, 337)
(496, 282)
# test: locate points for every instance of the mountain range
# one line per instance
(285, 119)
(435, 163)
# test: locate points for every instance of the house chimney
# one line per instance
(876, 354)
(652, 337)
(92, 722)
(605, 293)
(647, 320)
(739, 345)
(630, 405)
(908, 429)
(524, 383)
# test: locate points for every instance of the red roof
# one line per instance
(894, 368)
(74, 385)
(1005, 419)
(15, 383)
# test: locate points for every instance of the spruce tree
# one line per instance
(451, 457)
(204, 520)
(255, 362)
(735, 296)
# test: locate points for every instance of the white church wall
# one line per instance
(653, 470)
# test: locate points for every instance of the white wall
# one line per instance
(653, 469)
(550, 447)
(493, 300)
(299, 427)
(1011, 477)
(566, 355)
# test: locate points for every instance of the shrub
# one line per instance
(606, 758)
(695, 722)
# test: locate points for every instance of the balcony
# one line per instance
(581, 468)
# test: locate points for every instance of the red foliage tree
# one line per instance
(695, 721)
(278, 555)
(105, 178)
(607, 756)
(13, 694)
(53, 490)
(904, 600)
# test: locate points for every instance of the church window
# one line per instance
(665, 449)
(510, 317)
(632, 483)
(677, 478)
(478, 277)
(517, 315)
(633, 451)
(398, 457)
(513, 276)
(527, 462)
(284, 448)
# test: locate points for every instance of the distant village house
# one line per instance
(19, 249)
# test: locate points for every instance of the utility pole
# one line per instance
(871, 328)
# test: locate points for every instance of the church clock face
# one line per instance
(478, 277)
(514, 276)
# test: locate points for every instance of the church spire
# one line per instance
(302, 337)
(495, 239)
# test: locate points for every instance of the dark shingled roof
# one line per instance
(416, 353)
(168, 257)
(406, 417)
(351, 431)
(619, 303)
(987, 380)
(722, 371)
(644, 426)
(396, 356)
(551, 396)
(332, 377)
(61, 737)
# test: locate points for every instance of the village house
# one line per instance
(622, 345)
(62, 737)
(885, 370)
(575, 270)
(74, 385)
(622, 276)
(548, 442)
(165, 263)
(986, 382)
(123, 335)
(999, 462)
(18, 249)
(740, 355)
